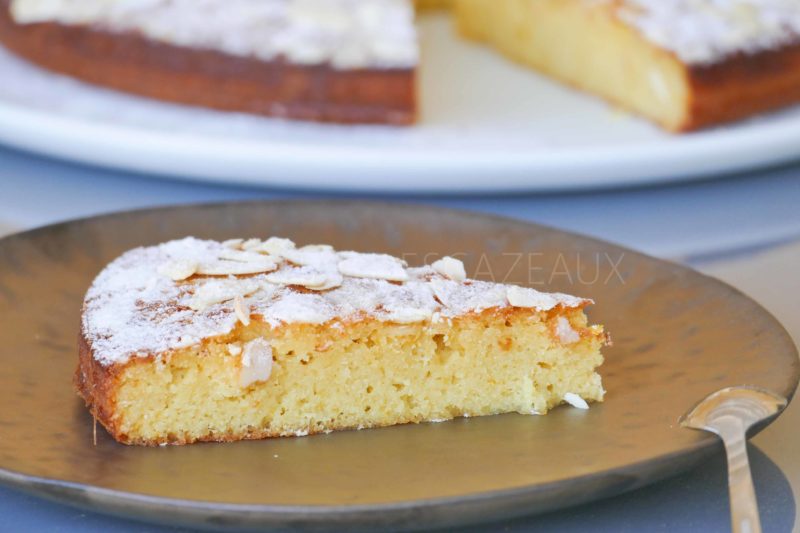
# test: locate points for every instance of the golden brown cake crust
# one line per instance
(133, 63)
(97, 385)
(742, 86)
(94, 384)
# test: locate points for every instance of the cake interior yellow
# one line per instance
(685, 64)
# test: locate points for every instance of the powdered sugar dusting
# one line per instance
(134, 309)
(709, 31)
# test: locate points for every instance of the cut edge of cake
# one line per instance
(607, 48)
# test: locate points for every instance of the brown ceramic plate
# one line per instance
(678, 336)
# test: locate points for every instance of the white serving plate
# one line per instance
(486, 125)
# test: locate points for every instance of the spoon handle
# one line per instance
(744, 506)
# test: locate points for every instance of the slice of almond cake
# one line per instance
(198, 340)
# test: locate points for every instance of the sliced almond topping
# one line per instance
(243, 256)
(251, 244)
(308, 277)
(331, 282)
(226, 267)
(256, 362)
(408, 315)
(317, 258)
(450, 267)
(442, 290)
(242, 310)
(275, 246)
(523, 297)
(575, 401)
(233, 244)
(566, 333)
(372, 266)
(317, 248)
(230, 268)
(179, 269)
(303, 276)
(216, 292)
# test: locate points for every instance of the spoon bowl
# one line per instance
(729, 413)
(749, 405)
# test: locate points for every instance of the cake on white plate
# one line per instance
(684, 64)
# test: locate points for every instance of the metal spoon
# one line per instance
(729, 413)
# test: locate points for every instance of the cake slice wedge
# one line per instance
(685, 64)
(197, 340)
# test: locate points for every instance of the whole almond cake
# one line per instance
(684, 64)
(197, 340)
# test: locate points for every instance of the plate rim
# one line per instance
(69, 492)
(703, 447)
(296, 166)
